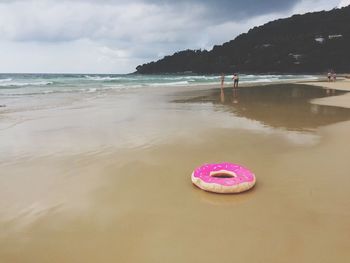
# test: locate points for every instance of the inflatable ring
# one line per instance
(223, 178)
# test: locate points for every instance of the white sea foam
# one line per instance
(5, 80)
(22, 84)
(259, 80)
(99, 78)
(190, 78)
(177, 83)
(92, 90)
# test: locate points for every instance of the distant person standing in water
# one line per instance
(329, 75)
(222, 79)
(334, 76)
(235, 80)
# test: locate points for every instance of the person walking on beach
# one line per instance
(235, 80)
(222, 79)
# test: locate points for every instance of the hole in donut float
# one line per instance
(222, 174)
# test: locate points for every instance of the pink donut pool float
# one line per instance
(223, 178)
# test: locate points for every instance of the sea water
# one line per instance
(38, 84)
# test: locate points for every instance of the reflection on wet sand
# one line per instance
(280, 106)
(331, 91)
(235, 95)
(222, 96)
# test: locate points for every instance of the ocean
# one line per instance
(38, 84)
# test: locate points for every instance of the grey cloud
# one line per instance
(135, 30)
(217, 10)
(235, 9)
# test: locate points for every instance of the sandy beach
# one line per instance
(146, 131)
(106, 177)
(337, 101)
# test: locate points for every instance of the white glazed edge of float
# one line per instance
(222, 189)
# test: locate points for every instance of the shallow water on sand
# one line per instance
(107, 178)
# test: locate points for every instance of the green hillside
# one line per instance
(313, 42)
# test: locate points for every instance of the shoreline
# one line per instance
(342, 84)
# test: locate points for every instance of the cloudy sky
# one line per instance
(114, 36)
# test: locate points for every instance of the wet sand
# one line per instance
(337, 101)
(107, 178)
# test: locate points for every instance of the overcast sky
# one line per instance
(114, 36)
